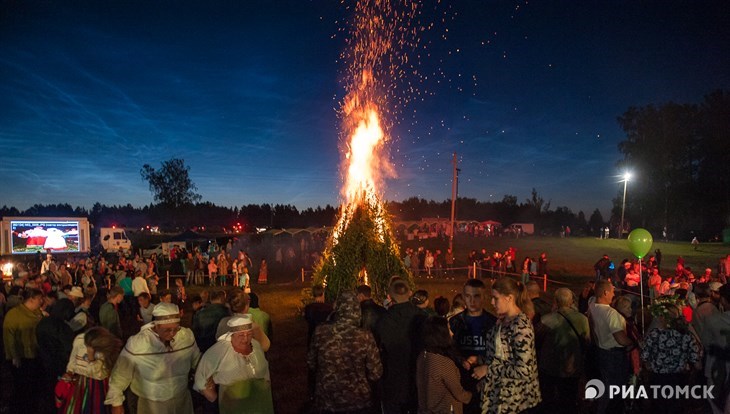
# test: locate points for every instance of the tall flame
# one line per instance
(379, 30)
(366, 164)
(362, 161)
(362, 157)
(365, 161)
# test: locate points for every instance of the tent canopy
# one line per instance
(293, 231)
(188, 235)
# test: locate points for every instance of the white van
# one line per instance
(113, 239)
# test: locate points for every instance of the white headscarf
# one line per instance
(162, 314)
(237, 323)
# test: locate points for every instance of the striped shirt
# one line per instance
(439, 385)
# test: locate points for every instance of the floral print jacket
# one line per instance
(668, 351)
(512, 385)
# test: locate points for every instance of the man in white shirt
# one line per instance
(156, 364)
(609, 329)
(139, 284)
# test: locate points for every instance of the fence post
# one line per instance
(168, 279)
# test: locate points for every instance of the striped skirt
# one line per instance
(88, 397)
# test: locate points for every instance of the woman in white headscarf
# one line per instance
(238, 365)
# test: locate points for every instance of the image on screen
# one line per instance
(45, 236)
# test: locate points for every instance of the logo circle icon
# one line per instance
(594, 389)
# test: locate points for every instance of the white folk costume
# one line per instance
(92, 381)
(244, 382)
(157, 372)
(55, 240)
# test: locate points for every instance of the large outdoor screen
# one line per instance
(44, 236)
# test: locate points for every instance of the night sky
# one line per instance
(247, 92)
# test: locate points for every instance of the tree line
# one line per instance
(216, 218)
(201, 216)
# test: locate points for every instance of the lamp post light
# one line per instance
(627, 177)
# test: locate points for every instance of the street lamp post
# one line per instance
(627, 176)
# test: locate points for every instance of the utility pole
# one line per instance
(454, 192)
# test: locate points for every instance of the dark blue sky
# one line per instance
(527, 93)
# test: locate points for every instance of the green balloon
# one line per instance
(640, 241)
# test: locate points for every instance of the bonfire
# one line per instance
(362, 248)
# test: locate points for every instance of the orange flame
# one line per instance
(363, 162)
(362, 158)
(366, 163)
(380, 30)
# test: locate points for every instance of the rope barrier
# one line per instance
(472, 272)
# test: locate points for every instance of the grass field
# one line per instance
(570, 260)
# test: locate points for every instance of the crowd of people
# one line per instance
(80, 339)
(462, 359)
(94, 337)
(528, 356)
(478, 263)
(441, 230)
(216, 266)
(247, 259)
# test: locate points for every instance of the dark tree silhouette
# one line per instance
(171, 184)
(596, 221)
(680, 158)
